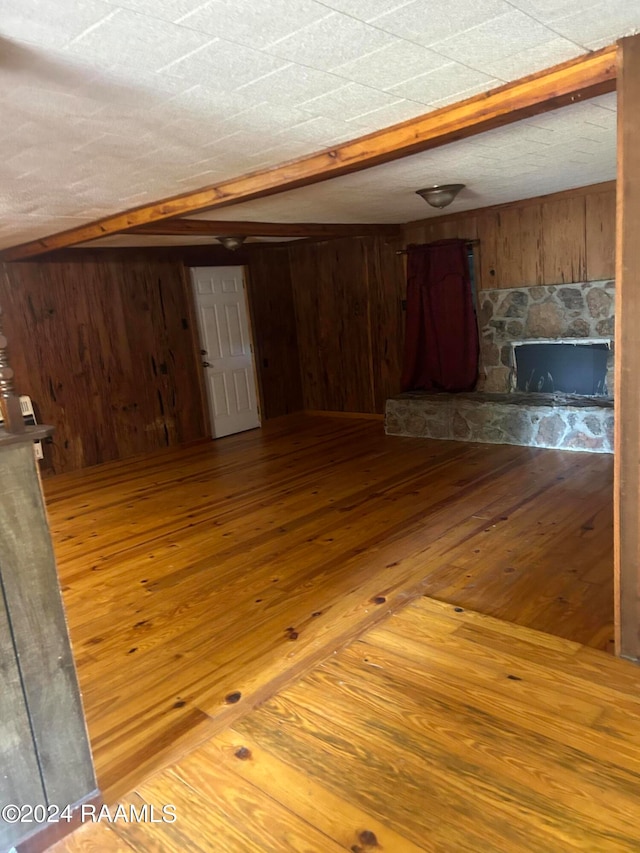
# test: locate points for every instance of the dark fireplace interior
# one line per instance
(568, 368)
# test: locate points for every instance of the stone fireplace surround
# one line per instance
(495, 413)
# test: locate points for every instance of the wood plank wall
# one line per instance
(274, 330)
(105, 349)
(348, 301)
(348, 293)
(103, 341)
(564, 237)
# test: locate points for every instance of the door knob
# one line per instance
(206, 364)
(203, 352)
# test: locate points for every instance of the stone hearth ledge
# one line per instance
(554, 421)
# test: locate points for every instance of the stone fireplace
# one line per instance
(571, 314)
(559, 395)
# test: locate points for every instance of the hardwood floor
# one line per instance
(438, 731)
(199, 582)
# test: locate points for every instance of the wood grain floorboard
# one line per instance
(440, 730)
(198, 582)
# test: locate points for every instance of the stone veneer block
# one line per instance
(558, 422)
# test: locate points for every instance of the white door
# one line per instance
(227, 357)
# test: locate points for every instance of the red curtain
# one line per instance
(441, 343)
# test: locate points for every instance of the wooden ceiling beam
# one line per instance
(204, 227)
(585, 77)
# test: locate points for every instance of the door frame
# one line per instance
(192, 319)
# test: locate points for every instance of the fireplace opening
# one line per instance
(579, 368)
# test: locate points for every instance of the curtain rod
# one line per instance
(467, 243)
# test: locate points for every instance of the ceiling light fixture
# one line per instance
(440, 196)
(231, 243)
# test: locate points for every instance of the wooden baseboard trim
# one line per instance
(370, 416)
(49, 834)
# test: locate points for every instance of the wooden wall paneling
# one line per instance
(627, 387)
(531, 244)
(331, 299)
(274, 325)
(306, 294)
(518, 245)
(387, 289)
(601, 235)
(346, 342)
(105, 348)
(442, 229)
(147, 344)
(487, 231)
(157, 328)
(564, 240)
(170, 312)
(416, 233)
(465, 228)
(47, 323)
(196, 355)
(550, 239)
(110, 368)
(368, 273)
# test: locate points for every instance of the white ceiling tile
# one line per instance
(197, 102)
(288, 149)
(200, 179)
(29, 227)
(444, 82)
(41, 103)
(429, 21)
(597, 114)
(330, 41)
(601, 24)
(253, 22)
(319, 130)
(365, 10)
(224, 66)
(113, 87)
(529, 60)
(542, 136)
(51, 24)
(548, 11)
(349, 102)
(507, 151)
(501, 37)
(90, 126)
(463, 94)
(166, 10)
(135, 40)
(292, 84)
(386, 116)
(47, 68)
(605, 102)
(234, 146)
(400, 60)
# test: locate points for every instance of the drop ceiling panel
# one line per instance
(108, 104)
(392, 64)
(426, 22)
(244, 22)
